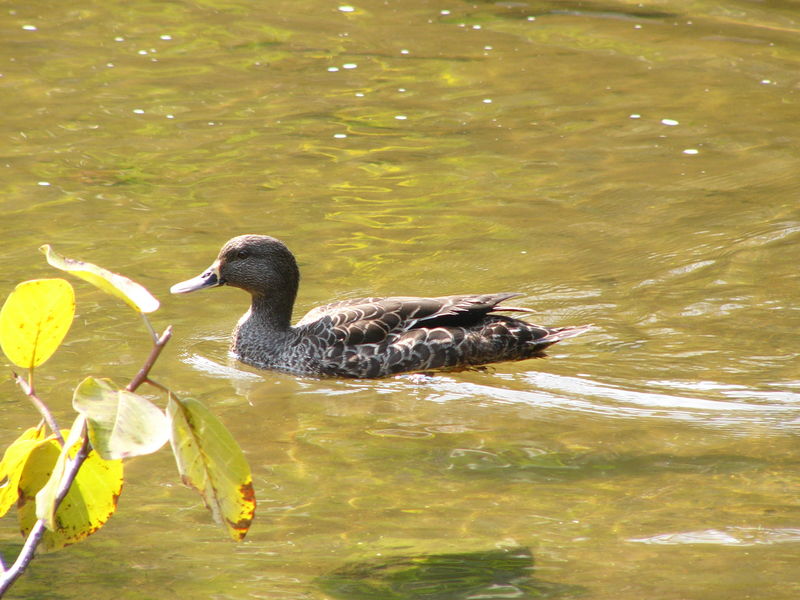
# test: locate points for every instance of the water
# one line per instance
(628, 165)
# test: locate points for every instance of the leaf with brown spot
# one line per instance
(90, 502)
(210, 461)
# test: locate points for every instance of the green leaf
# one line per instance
(130, 292)
(34, 320)
(12, 464)
(90, 502)
(121, 423)
(210, 460)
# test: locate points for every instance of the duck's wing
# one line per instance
(372, 320)
(318, 312)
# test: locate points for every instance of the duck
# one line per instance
(363, 337)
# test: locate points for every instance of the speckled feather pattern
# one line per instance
(366, 337)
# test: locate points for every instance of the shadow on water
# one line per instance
(491, 574)
(518, 465)
(593, 9)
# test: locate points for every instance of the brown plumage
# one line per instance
(366, 337)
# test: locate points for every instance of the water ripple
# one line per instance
(580, 395)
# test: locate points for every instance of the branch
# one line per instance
(40, 406)
(9, 576)
(150, 329)
(157, 385)
(141, 376)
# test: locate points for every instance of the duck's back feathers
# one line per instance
(373, 337)
(371, 320)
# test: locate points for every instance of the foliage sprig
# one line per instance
(48, 472)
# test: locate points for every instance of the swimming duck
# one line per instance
(366, 337)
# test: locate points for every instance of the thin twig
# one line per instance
(9, 576)
(40, 406)
(152, 331)
(155, 384)
(141, 376)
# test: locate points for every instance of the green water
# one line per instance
(633, 165)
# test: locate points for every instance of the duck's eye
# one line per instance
(242, 254)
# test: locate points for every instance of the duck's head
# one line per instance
(258, 264)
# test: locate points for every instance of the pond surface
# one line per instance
(632, 165)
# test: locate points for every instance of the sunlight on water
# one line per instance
(632, 166)
(732, 537)
(215, 369)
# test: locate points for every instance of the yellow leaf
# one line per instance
(12, 464)
(210, 460)
(34, 320)
(130, 292)
(90, 502)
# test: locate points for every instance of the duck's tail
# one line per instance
(556, 334)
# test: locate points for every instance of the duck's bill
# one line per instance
(208, 279)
